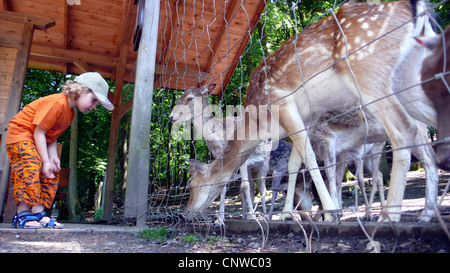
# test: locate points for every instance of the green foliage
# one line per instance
(98, 215)
(154, 234)
(442, 12)
(190, 238)
(39, 83)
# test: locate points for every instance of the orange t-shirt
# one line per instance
(52, 113)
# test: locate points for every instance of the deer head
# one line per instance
(184, 108)
(202, 194)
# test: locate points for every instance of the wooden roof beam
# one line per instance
(81, 58)
(38, 22)
(68, 56)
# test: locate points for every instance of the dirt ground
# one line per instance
(86, 238)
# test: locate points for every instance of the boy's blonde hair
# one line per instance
(73, 89)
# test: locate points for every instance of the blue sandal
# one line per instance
(51, 224)
(19, 220)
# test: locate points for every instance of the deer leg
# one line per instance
(263, 174)
(252, 190)
(426, 156)
(272, 204)
(340, 170)
(276, 180)
(360, 178)
(400, 167)
(222, 204)
(377, 177)
(294, 165)
(330, 171)
(303, 198)
(246, 200)
(400, 129)
(262, 186)
(293, 124)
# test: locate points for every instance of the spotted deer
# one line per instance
(340, 137)
(436, 76)
(344, 59)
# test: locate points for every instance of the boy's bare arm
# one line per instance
(53, 154)
(41, 146)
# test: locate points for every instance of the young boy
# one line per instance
(31, 145)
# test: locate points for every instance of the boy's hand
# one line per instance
(56, 163)
(47, 170)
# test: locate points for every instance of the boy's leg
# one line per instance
(48, 192)
(25, 168)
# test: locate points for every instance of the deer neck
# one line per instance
(214, 135)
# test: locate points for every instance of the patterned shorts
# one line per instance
(29, 185)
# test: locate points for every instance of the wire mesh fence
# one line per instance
(189, 124)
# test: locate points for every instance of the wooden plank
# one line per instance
(67, 55)
(4, 89)
(49, 65)
(6, 69)
(36, 7)
(96, 31)
(83, 66)
(54, 36)
(91, 42)
(7, 38)
(102, 8)
(10, 33)
(125, 108)
(95, 60)
(7, 53)
(94, 21)
(38, 22)
(3, 105)
(15, 98)
(139, 152)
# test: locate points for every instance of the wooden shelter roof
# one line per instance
(199, 41)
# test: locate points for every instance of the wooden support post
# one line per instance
(15, 98)
(122, 51)
(114, 131)
(136, 199)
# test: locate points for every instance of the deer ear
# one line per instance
(428, 42)
(208, 89)
(197, 166)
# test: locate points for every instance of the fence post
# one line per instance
(139, 150)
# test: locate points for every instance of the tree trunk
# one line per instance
(74, 204)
